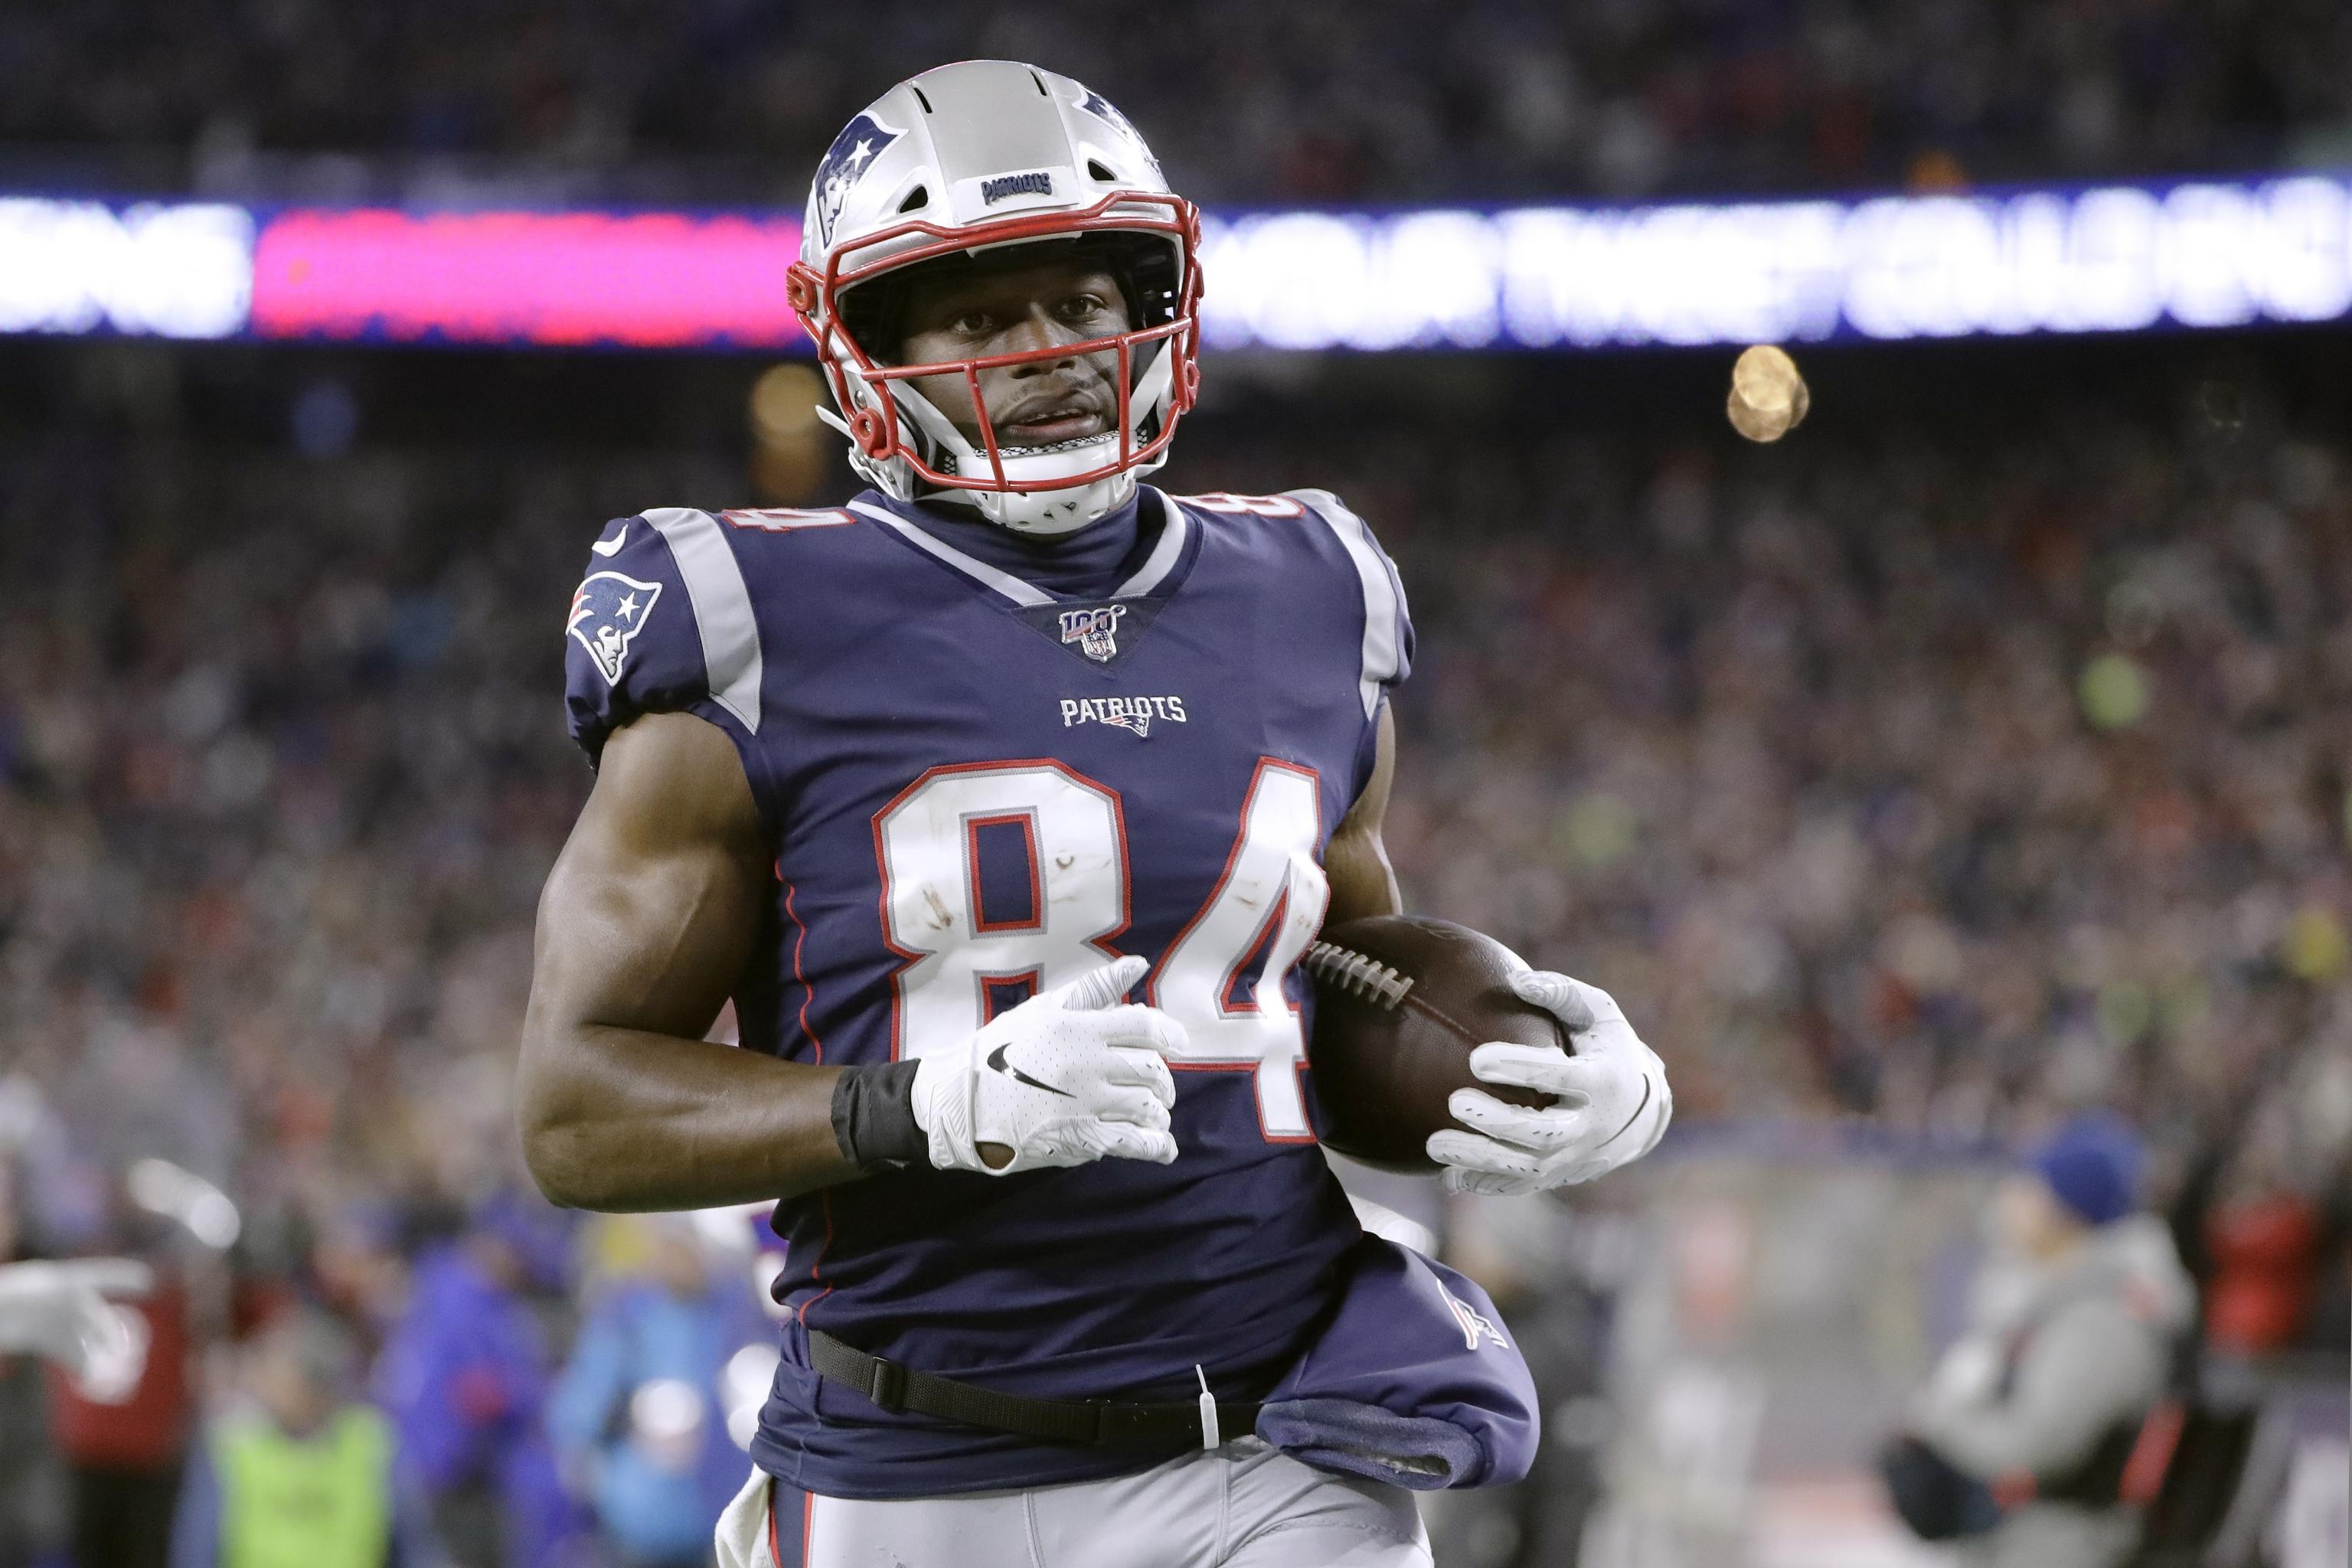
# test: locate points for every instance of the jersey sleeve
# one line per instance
(1387, 650)
(661, 623)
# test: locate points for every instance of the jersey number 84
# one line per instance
(1270, 899)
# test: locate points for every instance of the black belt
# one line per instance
(1162, 1424)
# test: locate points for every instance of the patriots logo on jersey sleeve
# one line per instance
(607, 613)
(1475, 1325)
(846, 162)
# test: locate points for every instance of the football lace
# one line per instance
(1358, 976)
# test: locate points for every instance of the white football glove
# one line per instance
(1614, 1102)
(61, 1311)
(1067, 1077)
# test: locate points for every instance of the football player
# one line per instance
(1000, 801)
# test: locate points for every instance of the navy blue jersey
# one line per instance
(977, 789)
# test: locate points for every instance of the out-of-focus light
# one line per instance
(743, 1385)
(114, 1358)
(790, 450)
(1945, 263)
(1768, 398)
(784, 402)
(2316, 947)
(2109, 259)
(162, 1188)
(666, 1417)
(732, 1228)
(634, 281)
(175, 270)
(2113, 692)
(1598, 829)
(665, 1407)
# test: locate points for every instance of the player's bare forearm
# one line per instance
(645, 925)
(643, 1121)
(1356, 861)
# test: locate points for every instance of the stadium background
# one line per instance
(1979, 752)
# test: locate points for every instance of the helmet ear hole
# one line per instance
(1095, 170)
(800, 288)
(916, 199)
(867, 428)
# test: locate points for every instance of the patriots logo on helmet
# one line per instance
(1102, 109)
(607, 613)
(1095, 631)
(1095, 103)
(846, 162)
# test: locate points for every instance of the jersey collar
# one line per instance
(1160, 573)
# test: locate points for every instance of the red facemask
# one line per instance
(877, 426)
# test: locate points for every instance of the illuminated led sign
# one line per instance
(2102, 258)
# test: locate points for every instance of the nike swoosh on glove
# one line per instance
(1614, 1100)
(1068, 1077)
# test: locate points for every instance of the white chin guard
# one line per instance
(1050, 509)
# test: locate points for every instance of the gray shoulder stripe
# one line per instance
(1382, 655)
(722, 607)
(980, 571)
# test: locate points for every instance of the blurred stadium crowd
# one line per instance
(1949, 785)
(1908, 785)
(1493, 99)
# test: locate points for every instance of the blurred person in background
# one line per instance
(124, 1441)
(2262, 1240)
(2021, 1439)
(303, 1475)
(31, 1492)
(359, 1271)
(464, 1379)
(637, 1417)
(60, 1313)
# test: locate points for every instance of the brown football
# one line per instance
(1399, 1003)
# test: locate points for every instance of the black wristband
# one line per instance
(874, 1116)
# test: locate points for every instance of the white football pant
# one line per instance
(1245, 1505)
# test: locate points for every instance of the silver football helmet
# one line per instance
(966, 160)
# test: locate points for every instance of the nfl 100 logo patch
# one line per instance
(1095, 631)
(1103, 635)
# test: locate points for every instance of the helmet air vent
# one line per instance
(1095, 170)
(920, 196)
